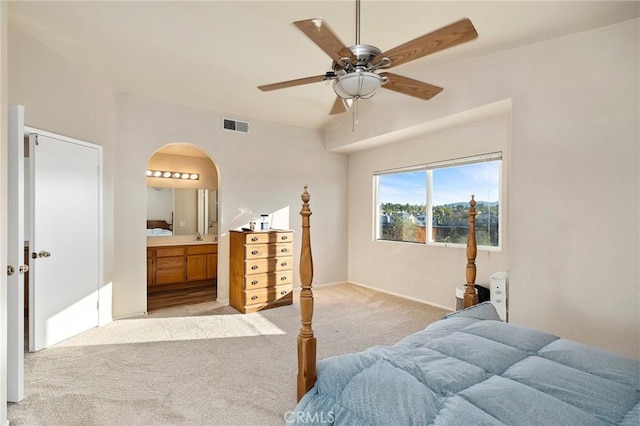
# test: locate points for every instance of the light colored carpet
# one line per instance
(203, 364)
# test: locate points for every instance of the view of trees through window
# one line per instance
(431, 205)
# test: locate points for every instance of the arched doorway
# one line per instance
(182, 227)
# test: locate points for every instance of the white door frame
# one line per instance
(15, 254)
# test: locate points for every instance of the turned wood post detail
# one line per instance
(306, 339)
(470, 295)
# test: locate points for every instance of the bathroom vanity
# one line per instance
(178, 274)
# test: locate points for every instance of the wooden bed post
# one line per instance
(306, 339)
(470, 295)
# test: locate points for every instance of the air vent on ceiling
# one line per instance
(235, 125)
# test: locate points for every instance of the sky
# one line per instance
(450, 185)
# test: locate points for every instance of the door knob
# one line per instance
(10, 270)
(23, 268)
(40, 254)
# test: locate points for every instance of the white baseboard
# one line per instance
(402, 296)
(140, 314)
(318, 285)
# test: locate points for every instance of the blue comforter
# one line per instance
(472, 369)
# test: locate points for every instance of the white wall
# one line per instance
(260, 172)
(573, 245)
(422, 272)
(59, 99)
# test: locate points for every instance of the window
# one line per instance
(429, 203)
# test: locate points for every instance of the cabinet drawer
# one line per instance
(262, 266)
(202, 249)
(267, 237)
(268, 280)
(169, 251)
(170, 262)
(168, 276)
(259, 251)
(267, 295)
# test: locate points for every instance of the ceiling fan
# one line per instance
(354, 71)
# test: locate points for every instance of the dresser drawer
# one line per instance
(263, 266)
(259, 251)
(268, 280)
(170, 262)
(268, 237)
(169, 251)
(267, 295)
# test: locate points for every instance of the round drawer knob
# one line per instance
(254, 297)
(283, 264)
(284, 237)
(254, 252)
(283, 278)
(254, 267)
(284, 250)
(283, 292)
(254, 282)
(254, 239)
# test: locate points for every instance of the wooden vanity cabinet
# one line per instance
(180, 274)
(261, 270)
(202, 262)
(170, 265)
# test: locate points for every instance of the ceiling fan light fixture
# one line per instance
(358, 84)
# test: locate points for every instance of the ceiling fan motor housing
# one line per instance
(364, 55)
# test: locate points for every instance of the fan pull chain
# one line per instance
(355, 120)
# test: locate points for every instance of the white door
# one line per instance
(15, 255)
(64, 275)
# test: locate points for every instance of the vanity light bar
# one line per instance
(172, 175)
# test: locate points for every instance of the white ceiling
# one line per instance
(214, 54)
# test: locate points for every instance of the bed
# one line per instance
(157, 228)
(469, 368)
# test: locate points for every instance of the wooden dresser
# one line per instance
(180, 274)
(260, 269)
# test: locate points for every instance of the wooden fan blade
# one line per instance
(444, 38)
(291, 83)
(338, 106)
(321, 34)
(409, 86)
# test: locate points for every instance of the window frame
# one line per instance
(429, 168)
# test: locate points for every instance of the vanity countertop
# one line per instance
(159, 241)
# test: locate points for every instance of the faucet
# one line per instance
(198, 237)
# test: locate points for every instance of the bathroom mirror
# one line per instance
(180, 211)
